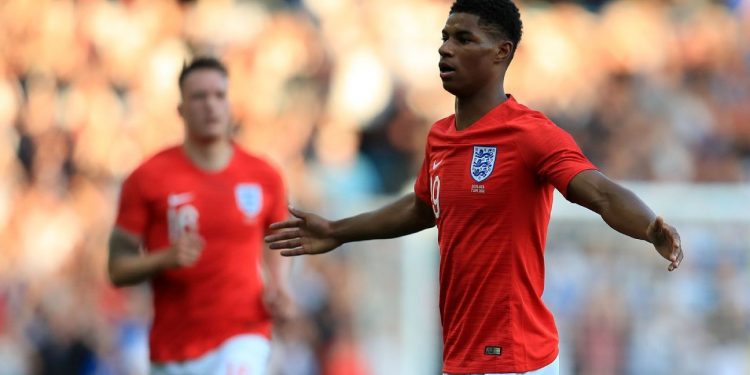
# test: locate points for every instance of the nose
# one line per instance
(213, 103)
(445, 50)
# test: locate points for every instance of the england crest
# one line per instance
(483, 162)
(249, 198)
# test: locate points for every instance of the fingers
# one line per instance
(193, 239)
(677, 255)
(188, 248)
(676, 263)
(290, 244)
(297, 213)
(189, 258)
(676, 244)
(286, 235)
(676, 258)
(293, 223)
(281, 306)
(294, 252)
(667, 242)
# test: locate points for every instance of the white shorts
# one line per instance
(551, 369)
(239, 355)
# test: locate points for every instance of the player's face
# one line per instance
(204, 106)
(471, 58)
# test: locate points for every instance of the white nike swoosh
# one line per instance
(435, 164)
(178, 199)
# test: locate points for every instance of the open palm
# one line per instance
(305, 233)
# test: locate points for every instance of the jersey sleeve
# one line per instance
(554, 156)
(132, 212)
(422, 185)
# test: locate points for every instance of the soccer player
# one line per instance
(486, 182)
(191, 221)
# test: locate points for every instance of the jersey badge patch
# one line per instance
(483, 162)
(249, 198)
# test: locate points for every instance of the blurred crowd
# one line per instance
(340, 94)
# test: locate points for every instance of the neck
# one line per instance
(469, 109)
(209, 155)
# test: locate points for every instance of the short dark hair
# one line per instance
(499, 16)
(202, 62)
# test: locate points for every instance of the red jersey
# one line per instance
(490, 187)
(197, 308)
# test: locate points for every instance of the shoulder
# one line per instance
(258, 164)
(443, 124)
(157, 163)
(533, 125)
(440, 129)
(528, 119)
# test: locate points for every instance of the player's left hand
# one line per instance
(667, 242)
(280, 304)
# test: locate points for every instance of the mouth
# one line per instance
(446, 70)
(213, 120)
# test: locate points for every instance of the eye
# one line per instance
(444, 38)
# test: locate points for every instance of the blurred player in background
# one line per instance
(486, 182)
(191, 221)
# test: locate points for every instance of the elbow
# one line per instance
(593, 191)
(118, 283)
(597, 199)
(116, 278)
(599, 205)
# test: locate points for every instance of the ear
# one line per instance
(504, 51)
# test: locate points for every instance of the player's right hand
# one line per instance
(186, 250)
(305, 233)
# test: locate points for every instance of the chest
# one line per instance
(476, 176)
(211, 205)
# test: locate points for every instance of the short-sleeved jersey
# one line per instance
(490, 187)
(196, 308)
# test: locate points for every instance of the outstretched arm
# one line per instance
(308, 233)
(626, 213)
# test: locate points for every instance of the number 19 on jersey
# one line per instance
(435, 195)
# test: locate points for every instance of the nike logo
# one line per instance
(435, 164)
(178, 199)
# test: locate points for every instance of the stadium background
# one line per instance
(340, 94)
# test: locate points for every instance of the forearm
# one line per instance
(134, 269)
(626, 213)
(619, 207)
(126, 265)
(404, 216)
